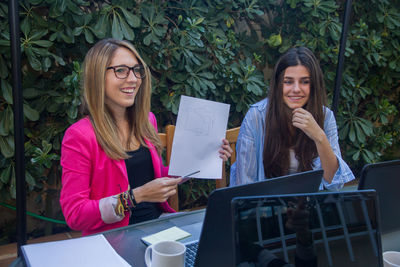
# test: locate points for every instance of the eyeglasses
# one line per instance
(122, 71)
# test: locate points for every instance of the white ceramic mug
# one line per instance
(165, 254)
(391, 259)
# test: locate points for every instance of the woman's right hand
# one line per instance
(158, 190)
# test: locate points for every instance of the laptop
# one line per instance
(384, 177)
(214, 248)
(313, 229)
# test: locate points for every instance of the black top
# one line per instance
(140, 171)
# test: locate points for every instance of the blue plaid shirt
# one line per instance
(249, 167)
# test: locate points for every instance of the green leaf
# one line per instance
(236, 70)
(356, 155)
(58, 59)
(7, 91)
(30, 113)
(61, 5)
(38, 34)
(208, 83)
(43, 43)
(35, 2)
(33, 61)
(367, 126)
(147, 39)
(46, 63)
(275, 40)
(31, 93)
(100, 29)
(88, 36)
(148, 12)
(5, 174)
(73, 7)
(359, 133)
(53, 107)
(77, 31)
(3, 68)
(29, 179)
(72, 112)
(7, 146)
(116, 29)
(3, 129)
(25, 27)
(46, 147)
(133, 20)
(6, 122)
(126, 30)
(5, 43)
(368, 156)
(352, 134)
(199, 21)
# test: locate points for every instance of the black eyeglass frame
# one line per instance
(130, 69)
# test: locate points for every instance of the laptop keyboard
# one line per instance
(191, 251)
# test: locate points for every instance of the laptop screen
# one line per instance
(316, 229)
(384, 177)
(216, 241)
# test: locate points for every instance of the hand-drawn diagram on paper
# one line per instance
(200, 128)
(199, 120)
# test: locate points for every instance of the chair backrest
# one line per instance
(167, 139)
(384, 177)
(231, 136)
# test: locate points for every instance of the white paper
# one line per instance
(200, 128)
(84, 251)
(171, 234)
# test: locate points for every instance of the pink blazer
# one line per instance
(88, 175)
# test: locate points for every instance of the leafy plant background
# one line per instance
(222, 50)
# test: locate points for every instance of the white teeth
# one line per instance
(128, 90)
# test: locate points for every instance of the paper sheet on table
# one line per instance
(84, 251)
(171, 234)
(200, 128)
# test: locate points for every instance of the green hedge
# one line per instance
(219, 50)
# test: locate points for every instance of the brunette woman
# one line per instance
(292, 130)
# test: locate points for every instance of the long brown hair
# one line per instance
(96, 61)
(279, 133)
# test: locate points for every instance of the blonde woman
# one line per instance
(112, 171)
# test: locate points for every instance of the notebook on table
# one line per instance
(315, 229)
(215, 246)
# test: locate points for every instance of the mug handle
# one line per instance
(147, 259)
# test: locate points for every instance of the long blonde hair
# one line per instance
(96, 61)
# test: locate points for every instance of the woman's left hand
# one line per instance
(305, 121)
(226, 151)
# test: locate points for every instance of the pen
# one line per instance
(187, 175)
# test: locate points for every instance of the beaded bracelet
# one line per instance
(125, 202)
(119, 208)
(122, 204)
(124, 199)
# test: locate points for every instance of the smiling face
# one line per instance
(296, 86)
(120, 93)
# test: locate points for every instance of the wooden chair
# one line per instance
(166, 140)
(231, 136)
(168, 137)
